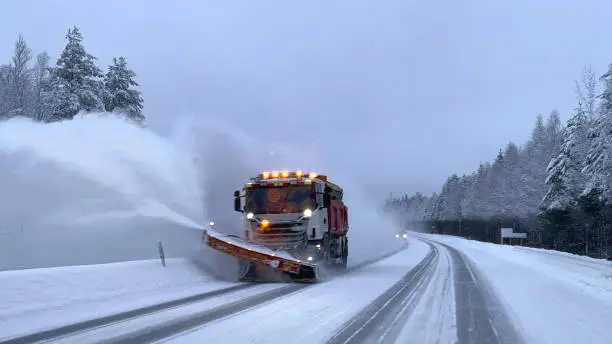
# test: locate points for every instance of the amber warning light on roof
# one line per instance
(288, 174)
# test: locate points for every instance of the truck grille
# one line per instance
(280, 239)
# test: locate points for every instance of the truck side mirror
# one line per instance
(326, 200)
(237, 204)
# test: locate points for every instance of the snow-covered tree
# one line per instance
(429, 207)
(20, 77)
(598, 163)
(5, 94)
(477, 202)
(564, 171)
(120, 96)
(15, 82)
(75, 84)
(450, 199)
(586, 91)
(41, 75)
(58, 101)
(565, 178)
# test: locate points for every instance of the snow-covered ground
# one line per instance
(552, 297)
(314, 314)
(35, 299)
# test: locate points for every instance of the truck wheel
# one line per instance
(345, 255)
(247, 271)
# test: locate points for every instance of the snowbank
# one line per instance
(40, 298)
(552, 297)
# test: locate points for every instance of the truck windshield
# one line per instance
(285, 200)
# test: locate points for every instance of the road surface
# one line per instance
(427, 293)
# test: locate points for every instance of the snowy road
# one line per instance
(430, 293)
(481, 318)
(159, 325)
(551, 297)
(419, 308)
(378, 321)
(438, 290)
(158, 320)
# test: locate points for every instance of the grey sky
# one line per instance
(406, 91)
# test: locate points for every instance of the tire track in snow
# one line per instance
(190, 322)
(481, 318)
(381, 321)
(432, 321)
(184, 324)
(62, 331)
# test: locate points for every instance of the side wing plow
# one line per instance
(261, 256)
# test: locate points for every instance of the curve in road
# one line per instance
(479, 316)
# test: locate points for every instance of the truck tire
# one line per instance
(247, 271)
(344, 263)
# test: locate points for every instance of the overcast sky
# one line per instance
(405, 91)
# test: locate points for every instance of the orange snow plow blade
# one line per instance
(260, 255)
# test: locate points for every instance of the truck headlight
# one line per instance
(211, 223)
(250, 215)
(307, 213)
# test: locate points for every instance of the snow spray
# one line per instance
(95, 185)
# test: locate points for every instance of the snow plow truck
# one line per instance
(294, 223)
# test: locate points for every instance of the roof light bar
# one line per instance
(291, 174)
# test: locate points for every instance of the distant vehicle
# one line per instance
(402, 236)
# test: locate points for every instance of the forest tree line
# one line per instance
(557, 187)
(34, 88)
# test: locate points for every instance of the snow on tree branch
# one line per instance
(74, 85)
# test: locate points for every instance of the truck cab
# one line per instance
(302, 214)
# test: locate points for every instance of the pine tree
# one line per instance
(430, 203)
(512, 202)
(565, 180)
(586, 91)
(5, 94)
(478, 193)
(554, 136)
(41, 79)
(598, 163)
(536, 160)
(75, 83)
(450, 199)
(119, 94)
(58, 102)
